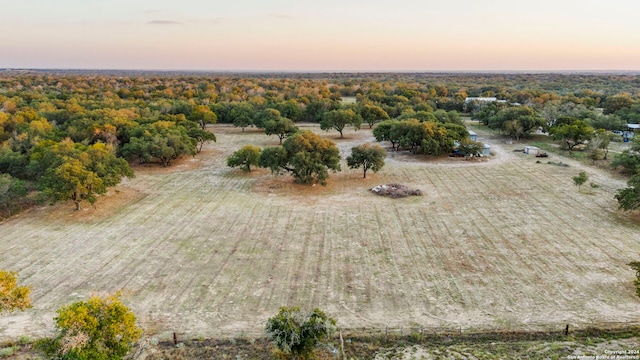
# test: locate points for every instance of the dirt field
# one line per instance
(209, 251)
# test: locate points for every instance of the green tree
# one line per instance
(242, 114)
(383, 132)
(368, 157)
(72, 181)
(339, 119)
(201, 136)
(163, 140)
(282, 127)
(629, 197)
(261, 117)
(290, 109)
(629, 159)
(580, 179)
(298, 333)
(516, 121)
(468, 147)
(245, 157)
(12, 296)
(572, 134)
(371, 114)
(306, 155)
(12, 191)
(99, 328)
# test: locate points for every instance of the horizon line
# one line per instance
(275, 71)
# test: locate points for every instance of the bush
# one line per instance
(299, 333)
(96, 329)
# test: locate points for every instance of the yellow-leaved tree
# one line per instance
(12, 296)
(99, 328)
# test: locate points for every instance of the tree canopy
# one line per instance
(12, 295)
(99, 328)
(367, 157)
(297, 333)
(339, 119)
(305, 155)
(281, 127)
(247, 156)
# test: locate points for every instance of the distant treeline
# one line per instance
(50, 121)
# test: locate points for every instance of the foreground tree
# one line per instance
(99, 328)
(306, 155)
(72, 181)
(12, 296)
(339, 119)
(368, 157)
(629, 197)
(78, 173)
(298, 333)
(247, 156)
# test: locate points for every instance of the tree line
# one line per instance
(151, 118)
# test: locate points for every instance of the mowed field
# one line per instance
(207, 251)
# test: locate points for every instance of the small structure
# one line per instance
(473, 136)
(486, 151)
(481, 99)
(531, 150)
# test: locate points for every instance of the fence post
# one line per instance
(175, 339)
(344, 356)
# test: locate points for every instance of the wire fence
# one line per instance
(500, 331)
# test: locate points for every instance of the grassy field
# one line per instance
(208, 251)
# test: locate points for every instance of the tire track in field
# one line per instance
(487, 188)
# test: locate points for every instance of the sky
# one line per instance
(327, 35)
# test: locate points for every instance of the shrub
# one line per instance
(299, 333)
(96, 329)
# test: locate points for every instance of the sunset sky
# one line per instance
(328, 35)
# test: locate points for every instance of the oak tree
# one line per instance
(368, 157)
(282, 127)
(339, 119)
(306, 155)
(247, 156)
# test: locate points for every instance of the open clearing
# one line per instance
(205, 250)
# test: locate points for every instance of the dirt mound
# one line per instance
(395, 191)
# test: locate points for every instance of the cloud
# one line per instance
(163, 22)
